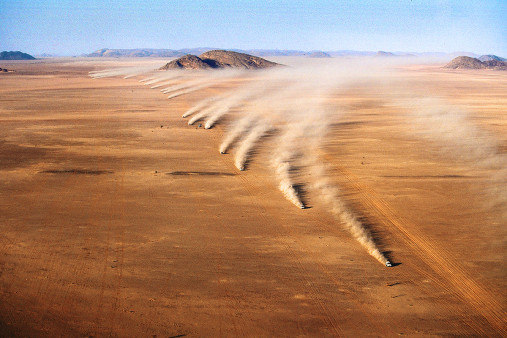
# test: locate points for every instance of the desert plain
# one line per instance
(117, 218)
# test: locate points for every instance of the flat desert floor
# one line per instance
(117, 218)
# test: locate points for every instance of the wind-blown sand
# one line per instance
(118, 218)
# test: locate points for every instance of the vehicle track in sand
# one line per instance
(452, 277)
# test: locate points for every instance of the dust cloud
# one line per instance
(295, 106)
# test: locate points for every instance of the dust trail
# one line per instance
(220, 108)
(166, 82)
(238, 128)
(162, 76)
(148, 78)
(155, 80)
(217, 112)
(331, 196)
(248, 143)
(190, 90)
(135, 74)
(126, 72)
(198, 106)
(217, 115)
(282, 171)
(185, 85)
(173, 87)
(197, 117)
(283, 156)
(304, 135)
(231, 102)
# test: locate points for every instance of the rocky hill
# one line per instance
(219, 59)
(15, 56)
(224, 58)
(188, 61)
(465, 62)
(490, 57)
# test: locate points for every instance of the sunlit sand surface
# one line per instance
(119, 218)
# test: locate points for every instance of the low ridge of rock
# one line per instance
(219, 59)
(318, 54)
(17, 55)
(490, 57)
(381, 53)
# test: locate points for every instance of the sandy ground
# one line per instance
(119, 219)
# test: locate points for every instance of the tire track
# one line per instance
(443, 265)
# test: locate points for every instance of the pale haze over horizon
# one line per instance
(75, 27)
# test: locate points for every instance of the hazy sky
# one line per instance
(72, 27)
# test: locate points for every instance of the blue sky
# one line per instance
(67, 27)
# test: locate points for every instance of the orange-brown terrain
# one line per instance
(117, 218)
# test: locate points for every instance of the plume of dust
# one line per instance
(282, 157)
(202, 104)
(216, 115)
(248, 143)
(163, 80)
(198, 106)
(189, 90)
(239, 127)
(166, 82)
(148, 78)
(171, 87)
(186, 85)
(216, 110)
(126, 72)
(161, 77)
(197, 117)
(232, 101)
(331, 196)
(201, 82)
(306, 134)
(282, 171)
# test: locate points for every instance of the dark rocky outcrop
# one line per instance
(188, 61)
(224, 58)
(17, 55)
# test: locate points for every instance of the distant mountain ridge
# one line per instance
(148, 52)
(17, 55)
(152, 52)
